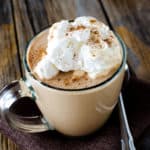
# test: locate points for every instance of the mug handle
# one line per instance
(16, 92)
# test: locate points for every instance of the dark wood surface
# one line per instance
(20, 20)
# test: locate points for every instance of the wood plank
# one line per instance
(131, 20)
(9, 61)
(8, 48)
(89, 8)
(37, 14)
(23, 26)
(69, 9)
(44, 13)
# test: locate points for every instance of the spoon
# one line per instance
(127, 142)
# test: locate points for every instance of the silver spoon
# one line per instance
(127, 142)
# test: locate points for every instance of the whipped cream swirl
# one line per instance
(84, 44)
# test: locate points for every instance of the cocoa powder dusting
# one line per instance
(108, 41)
(80, 27)
(92, 20)
(94, 36)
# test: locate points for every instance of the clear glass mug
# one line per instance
(73, 112)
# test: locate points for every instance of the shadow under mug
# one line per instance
(73, 112)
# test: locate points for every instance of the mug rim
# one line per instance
(27, 68)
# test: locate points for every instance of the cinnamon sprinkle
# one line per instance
(94, 36)
(92, 21)
(108, 41)
(80, 27)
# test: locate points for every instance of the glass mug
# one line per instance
(73, 112)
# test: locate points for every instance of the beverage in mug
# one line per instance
(74, 71)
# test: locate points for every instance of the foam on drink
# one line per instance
(84, 50)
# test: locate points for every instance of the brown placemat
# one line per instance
(105, 139)
(137, 96)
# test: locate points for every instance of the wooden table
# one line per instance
(22, 19)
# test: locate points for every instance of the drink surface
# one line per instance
(76, 55)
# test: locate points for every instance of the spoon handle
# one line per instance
(127, 142)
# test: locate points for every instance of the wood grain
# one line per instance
(90, 8)
(69, 9)
(44, 13)
(8, 50)
(37, 14)
(9, 61)
(24, 30)
(130, 18)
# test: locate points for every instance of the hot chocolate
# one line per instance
(77, 54)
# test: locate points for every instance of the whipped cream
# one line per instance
(45, 69)
(85, 44)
